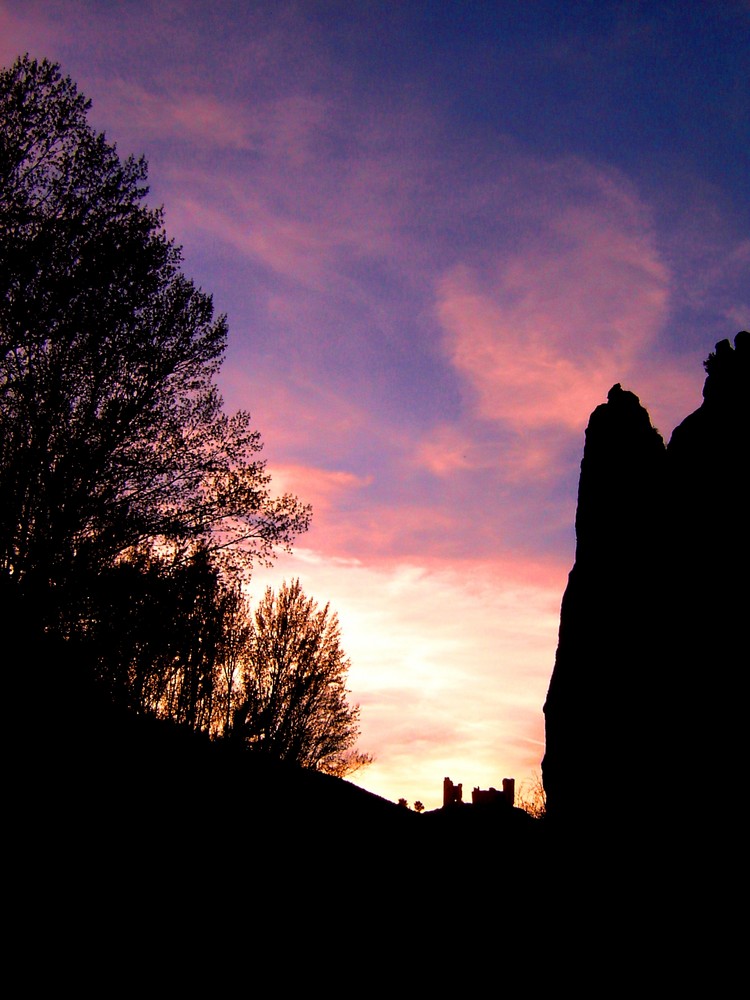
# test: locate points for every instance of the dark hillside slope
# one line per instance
(112, 801)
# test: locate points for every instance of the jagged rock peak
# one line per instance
(653, 622)
(621, 396)
(621, 414)
(727, 369)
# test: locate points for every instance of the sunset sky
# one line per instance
(440, 231)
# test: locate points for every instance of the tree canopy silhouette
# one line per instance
(157, 632)
(292, 703)
(112, 432)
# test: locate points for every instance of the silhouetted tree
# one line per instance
(344, 764)
(176, 639)
(233, 651)
(418, 806)
(294, 699)
(112, 433)
(157, 632)
(532, 798)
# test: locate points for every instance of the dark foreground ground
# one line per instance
(140, 853)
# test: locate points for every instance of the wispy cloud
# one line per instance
(201, 119)
(29, 30)
(551, 325)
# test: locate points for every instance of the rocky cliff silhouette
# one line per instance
(643, 708)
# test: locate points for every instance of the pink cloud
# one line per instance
(31, 31)
(323, 488)
(283, 129)
(290, 246)
(542, 335)
(539, 333)
(327, 420)
(307, 224)
(446, 450)
(191, 117)
(451, 450)
(375, 529)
